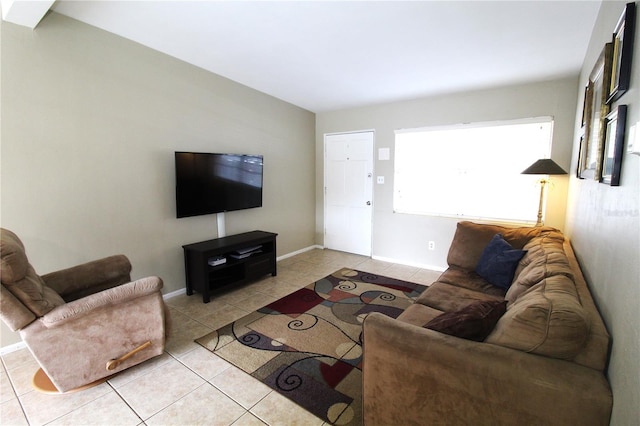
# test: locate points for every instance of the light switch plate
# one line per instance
(384, 154)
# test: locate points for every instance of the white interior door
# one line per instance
(348, 192)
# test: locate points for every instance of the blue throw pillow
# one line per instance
(498, 262)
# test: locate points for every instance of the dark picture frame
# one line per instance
(580, 153)
(623, 36)
(586, 103)
(615, 124)
(596, 109)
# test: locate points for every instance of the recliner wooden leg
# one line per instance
(114, 363)
(42, 383)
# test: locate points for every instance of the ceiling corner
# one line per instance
(27, 13)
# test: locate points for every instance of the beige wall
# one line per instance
(604, 225)
(404, 237)
(89, 125)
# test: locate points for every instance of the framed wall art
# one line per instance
(614, 132)
(622, 51)
(580, 153)
(596, 109)
(586, 103)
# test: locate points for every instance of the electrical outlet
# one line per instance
(380, 180)
(432, 245)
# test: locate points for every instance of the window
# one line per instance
(471, 171)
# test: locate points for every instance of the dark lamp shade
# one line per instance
(545, 166)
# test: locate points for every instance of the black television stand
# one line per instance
(247, 256)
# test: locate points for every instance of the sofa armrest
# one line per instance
(413, 375)
(110, 297)
(91, 277)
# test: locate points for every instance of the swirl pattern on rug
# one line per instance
(308, 345)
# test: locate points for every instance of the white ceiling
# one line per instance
(328, 55)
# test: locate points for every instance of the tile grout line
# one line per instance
(15, 392)
(208, 381)
(126, 403)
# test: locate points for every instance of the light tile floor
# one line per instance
(187, 385)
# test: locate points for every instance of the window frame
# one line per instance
(541, 148)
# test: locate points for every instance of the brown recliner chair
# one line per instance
(82, 324)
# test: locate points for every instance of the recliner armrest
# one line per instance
(91, 277)
(111, 297)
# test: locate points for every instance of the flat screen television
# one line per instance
(209, 183)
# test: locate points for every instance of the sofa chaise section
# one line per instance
(544, 361)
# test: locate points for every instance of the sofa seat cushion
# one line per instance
(469, 280)
(418, 314)
(548, 319)
(449, 298)
(470, 240)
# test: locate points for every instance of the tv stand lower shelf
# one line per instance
(228, 261)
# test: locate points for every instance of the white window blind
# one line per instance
(471, 171)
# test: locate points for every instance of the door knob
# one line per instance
(368, 203)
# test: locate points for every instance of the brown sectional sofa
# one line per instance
(543, 362)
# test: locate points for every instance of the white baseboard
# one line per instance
(384, 259)
(294, 253)
(174, 293)
(416, 265)
(12, 348)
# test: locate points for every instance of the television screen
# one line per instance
(212, 183)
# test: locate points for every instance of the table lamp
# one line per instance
(544, 166)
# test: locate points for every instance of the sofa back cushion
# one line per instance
(548, 319)
(545, 257)
(19, 277)
(470, 240)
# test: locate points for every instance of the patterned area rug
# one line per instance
(308, 345)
